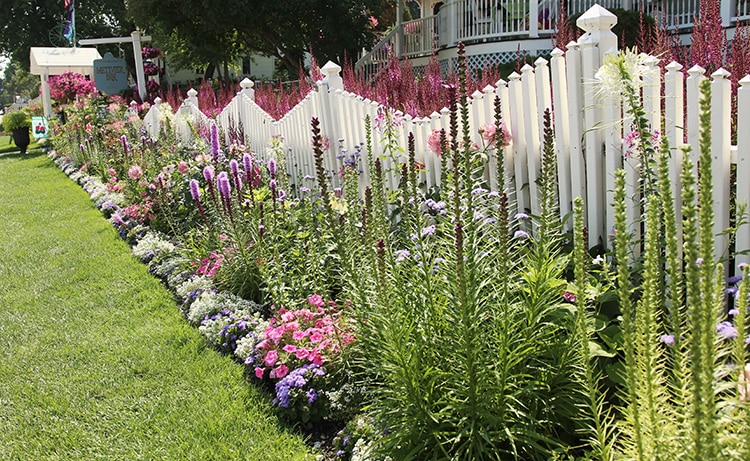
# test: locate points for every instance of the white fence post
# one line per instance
(247, 88)
(531, 125)
(192, 97)
(720, 156)
(598, 39)
(674, 117)
(695, 77)
(562, 132)
(518, 129)
(742, 187)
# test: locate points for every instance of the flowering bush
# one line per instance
(315, 334)
(298, 350)
(69, 86)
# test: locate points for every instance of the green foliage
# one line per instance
(286, 30)
(24, 27)
(16, 119)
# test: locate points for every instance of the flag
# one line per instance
(69, 31)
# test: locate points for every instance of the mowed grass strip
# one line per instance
(95, 360)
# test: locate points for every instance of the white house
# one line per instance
(494, 30)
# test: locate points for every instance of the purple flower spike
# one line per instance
(272, 184)
(225, 188)
(272, 167)
(247, 162)
(195, 190)
(208, 174)
(214, 141)
(234, 167)
(124, 141)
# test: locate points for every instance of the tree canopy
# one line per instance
(30, 23)
(209, 29)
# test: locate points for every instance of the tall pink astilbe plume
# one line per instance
(174, 97)
(564, 32)
(666, 45)
(709, 46)
(207, 98)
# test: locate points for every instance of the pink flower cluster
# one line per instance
(66, 87)
(433, 141)
(315, 334)
(208, 266)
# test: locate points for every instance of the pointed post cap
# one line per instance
(330, 69)
(246, 83)
(596, 18)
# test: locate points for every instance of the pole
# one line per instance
(140, 77)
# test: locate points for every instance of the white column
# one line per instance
(140, 77)
(46, 100)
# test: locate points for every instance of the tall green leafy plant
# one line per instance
(682, 365)
(467, 338)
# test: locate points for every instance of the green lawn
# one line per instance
(7, 145)
(95, 359)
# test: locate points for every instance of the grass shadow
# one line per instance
(18, 155)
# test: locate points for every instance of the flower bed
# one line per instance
(434, 324)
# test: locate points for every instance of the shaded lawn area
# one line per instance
(95, 360)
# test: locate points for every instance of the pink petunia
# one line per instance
(290, 348)
(271, 358)
(433, 141)
(298, 335)
(259, 372)
(316, 337)
(279, 372)
(316, 358)
(316, 300)
(302, 353)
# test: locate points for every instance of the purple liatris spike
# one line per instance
(272, 167)
(208, 174)
(195, 190)
(214, 141)
(124, 141)
(247, 162)
(272, 184)
(222, 181)
(234, 167)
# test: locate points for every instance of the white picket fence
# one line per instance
(589, 130)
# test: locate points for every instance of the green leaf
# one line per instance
(596, 350)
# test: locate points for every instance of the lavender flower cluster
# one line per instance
(293, 385)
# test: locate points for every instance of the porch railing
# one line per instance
(495, 20)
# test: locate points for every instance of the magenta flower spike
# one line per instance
(247, 163)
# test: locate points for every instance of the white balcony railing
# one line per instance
(472, 21)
